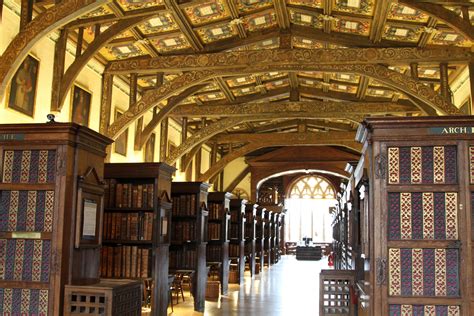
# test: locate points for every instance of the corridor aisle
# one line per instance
(288, 288)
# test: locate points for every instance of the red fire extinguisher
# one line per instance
(331, 259)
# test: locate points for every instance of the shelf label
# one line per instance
(4, 137)
(452, 130)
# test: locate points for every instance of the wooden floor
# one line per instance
(288, 288)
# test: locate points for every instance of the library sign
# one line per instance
(451, 130)
(5, 137)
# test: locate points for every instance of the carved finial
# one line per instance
(51, 118)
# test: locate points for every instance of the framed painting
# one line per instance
(22, 92)
(120, 144)
(81, 105)
(149, 153)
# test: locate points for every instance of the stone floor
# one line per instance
(289, 288)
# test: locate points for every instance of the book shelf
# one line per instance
(259, 238)
(218, 235)
(249, 233)
(277, 227)
(237, 236)
(49, 172)
(137, 217)
(189, 235)
(274, 248)
(267, 237)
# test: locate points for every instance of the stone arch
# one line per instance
(48, 21)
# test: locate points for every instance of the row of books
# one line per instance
(235, 232)
(182, 259)
(214, 231)
(234, 216)
(214, 253)
(234, 250)
(128, 195)
(216, 211)
(131, 226)
(249, 232)
(183, 231)
(184, 205)
(125, 262)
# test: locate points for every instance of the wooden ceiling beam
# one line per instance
(184, 25)
(318, 109)
(282, 16)
(234, 13)
(286, 58)
(225, 89)
(382, 8)
(362, 88)
(250, 137)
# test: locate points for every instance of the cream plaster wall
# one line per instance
(232, 170)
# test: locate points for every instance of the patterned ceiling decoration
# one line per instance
(310, 83)
(104, 10)
(158, 24)
(170, 43)
(400, 69)
(266, 44)
(261, 20)
(89, 32)
(343, 87)
(312, 74)
(354, 6)
(211, 96)
(380, 93)
(348, 77)
(130, 5)
(205, 12)
(401, 33)
(404, 13)
(449, 37)
(272, 85)
(306, 19)
(123, 51)
(307, 3)
(429, 72)
(273, 75)
(146, 81)
(210, 87)
(351, 25)
(305, 43)
(245, 91)
(240, 81)
(246, 6)
(214, 33)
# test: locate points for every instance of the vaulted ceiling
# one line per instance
(406, 54)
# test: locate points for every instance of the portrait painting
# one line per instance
(23, 88)
(81, 105)
(120, 145)
(150, 149)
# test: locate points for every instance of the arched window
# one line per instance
(312, 187)
(310, 198)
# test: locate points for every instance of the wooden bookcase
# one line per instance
(260, 238)
(419, 215)
(137, 221)
(237, 237)
(250, 233)
(276, 238)
(189, 235)
(51, 193)
(218, 235)
(267, 237)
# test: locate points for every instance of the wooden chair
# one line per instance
(177, 287)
